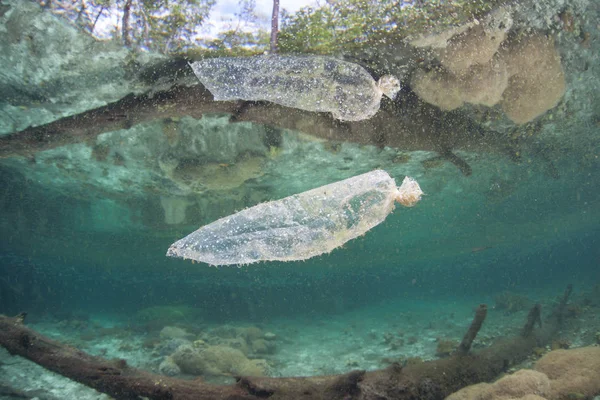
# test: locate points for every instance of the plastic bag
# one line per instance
(312, 83)
(299, 226)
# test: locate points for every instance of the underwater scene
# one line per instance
(333, 200)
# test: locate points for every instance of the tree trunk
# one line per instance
(125, 28)
(274, 26)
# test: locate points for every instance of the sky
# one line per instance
(223, 13)
(229, 7)
(222, 16)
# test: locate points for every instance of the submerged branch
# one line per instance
(122, 114)
(480, 315)
(407, 124)
(113, 377)
(534, 316)
(560, 311)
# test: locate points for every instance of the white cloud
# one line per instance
(290, 5)
(222, 16)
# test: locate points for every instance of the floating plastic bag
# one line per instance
(312, 83)
(299, 226)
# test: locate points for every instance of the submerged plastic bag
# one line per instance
(299, 226)
(312, 83)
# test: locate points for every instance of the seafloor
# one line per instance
(406, 331)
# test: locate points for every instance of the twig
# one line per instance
(467, 341)
(535, 315)
(96, 19)
(560, 311)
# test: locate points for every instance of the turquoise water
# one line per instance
(85, 221)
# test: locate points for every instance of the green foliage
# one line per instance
(243, 38)
(353, 24)
(169, 26)
(233, 43)
(165, 26)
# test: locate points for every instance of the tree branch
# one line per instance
(97, 17)
(410, 126)
(560, 311)
(534, 316)
(467, 341)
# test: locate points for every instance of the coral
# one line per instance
(474, 47)
(188, 359)
(537, 80)
(495, 25)
(197, 176)
(255, 367)
(262, 346)
(173, 332)
(238, 343)
(168, 367)
(484, 83)
(217, 360)
(480, 84)
(437, 87)
(250, 333)
(521, 383)
(560, 374)
(247, 339)
(166, 347)
(574, 373)
(524, 384)
(472, 72)
(478, 66)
